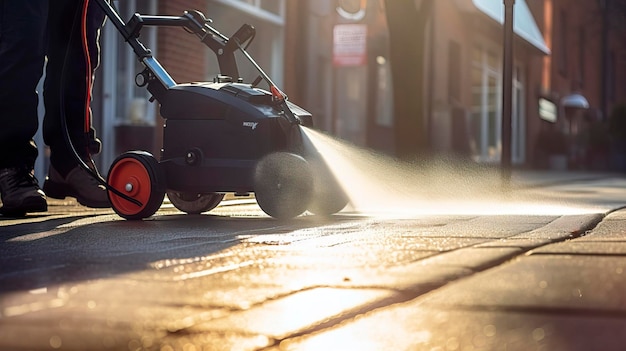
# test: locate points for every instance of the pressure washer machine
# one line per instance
(219, 137)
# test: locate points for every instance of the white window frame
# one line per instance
(253, 8)
(487, 72)
(518, 113)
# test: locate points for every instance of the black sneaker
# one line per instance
(78, 184)
(20, 192)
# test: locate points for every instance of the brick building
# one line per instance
(588, 42)
(558, 52)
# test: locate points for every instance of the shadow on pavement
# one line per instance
(43, 252)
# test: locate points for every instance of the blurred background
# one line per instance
(405, 78)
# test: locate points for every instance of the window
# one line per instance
(268, 45)
(485, 117)
(273, 6)
(269, 10)
(131, 102)
(486, 111)
(123, 103)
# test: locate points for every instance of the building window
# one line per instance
(454, 72)
(486, 110)
(268, 45)
(273, 6)
(131, 101)
(269, 10)
(123, 102)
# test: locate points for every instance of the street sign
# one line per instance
(350, 44)
(547, 110)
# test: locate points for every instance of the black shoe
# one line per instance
(78, 184)
(20, 192)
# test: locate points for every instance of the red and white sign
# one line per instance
(350, 45)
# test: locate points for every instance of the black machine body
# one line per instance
(215, 133)
(219, 137)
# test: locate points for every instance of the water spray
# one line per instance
(380, 185)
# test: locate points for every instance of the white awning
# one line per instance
(524, 23)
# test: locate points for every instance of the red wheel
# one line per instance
(138, 175)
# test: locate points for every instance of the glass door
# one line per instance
(486, 110)
(486, 122)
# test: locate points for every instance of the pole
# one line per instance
(507, 92)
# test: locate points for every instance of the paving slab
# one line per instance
(612, 228)
(585, 247)
(412, 326)
(297, 312)
(544, 283)
(564, 227)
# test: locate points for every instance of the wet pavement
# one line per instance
(542, 269)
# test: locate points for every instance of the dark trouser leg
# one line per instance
(22, 28)
(67, 77)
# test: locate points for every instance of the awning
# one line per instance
(524, 23)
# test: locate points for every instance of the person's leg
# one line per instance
(69, 75)
(22, 28)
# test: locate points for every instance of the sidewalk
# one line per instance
(567, 295)
(564, 296)
(444, 282)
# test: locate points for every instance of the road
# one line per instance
(539, 268)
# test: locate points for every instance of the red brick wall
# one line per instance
(182, 54)
(587, 15)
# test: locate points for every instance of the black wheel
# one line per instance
(328, 196)
(138, 175)
(193, 203)
(283, 185)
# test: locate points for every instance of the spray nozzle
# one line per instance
(278, 96)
